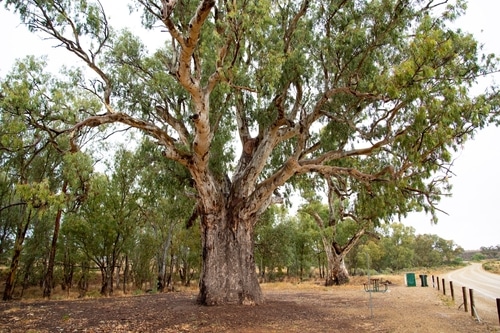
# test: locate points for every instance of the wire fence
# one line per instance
(482, 307)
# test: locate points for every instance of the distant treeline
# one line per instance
(485, 252)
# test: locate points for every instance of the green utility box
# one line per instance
(410, 280)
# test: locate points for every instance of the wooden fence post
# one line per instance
(472, 305)
(464, 293)
(452, 291)
(498, 308)
(437, 280)
(444, 287)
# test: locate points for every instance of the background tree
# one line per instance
(35, 158)
(432, 250)
(30, 158)
(105, 226)
(285, 246)
(426, 254)
(375, 92)
(185, 256)
(490, 252)
(71, 259)
(399, 248)
(7, 215)
(371, 256)
(398, 244)
(274, 246)
(167, 205)
(306, 237)
(342, 225)
(77, 169)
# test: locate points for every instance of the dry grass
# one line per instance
(492, 266)
(318, 285)
(291, 306)
(36, 293)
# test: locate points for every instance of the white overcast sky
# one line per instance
(472, 218)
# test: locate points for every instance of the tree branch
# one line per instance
(167, 141)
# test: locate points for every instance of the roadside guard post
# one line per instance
(423, 280)
(410, 280)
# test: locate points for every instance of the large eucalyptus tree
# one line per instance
(372, 91)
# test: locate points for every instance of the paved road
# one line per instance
(486, 288)
(475, 277)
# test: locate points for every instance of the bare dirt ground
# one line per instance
(304, 307)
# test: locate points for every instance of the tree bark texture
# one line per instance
(107, 273)
(337, 271)
(228, 273)
(49, 275)
(11, 276)
(83, 283)
(14, 265)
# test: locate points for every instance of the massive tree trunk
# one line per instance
(229, 211)
(337, 273)
(228, 273)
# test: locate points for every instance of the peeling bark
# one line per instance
(337, 273)
(229, 274)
